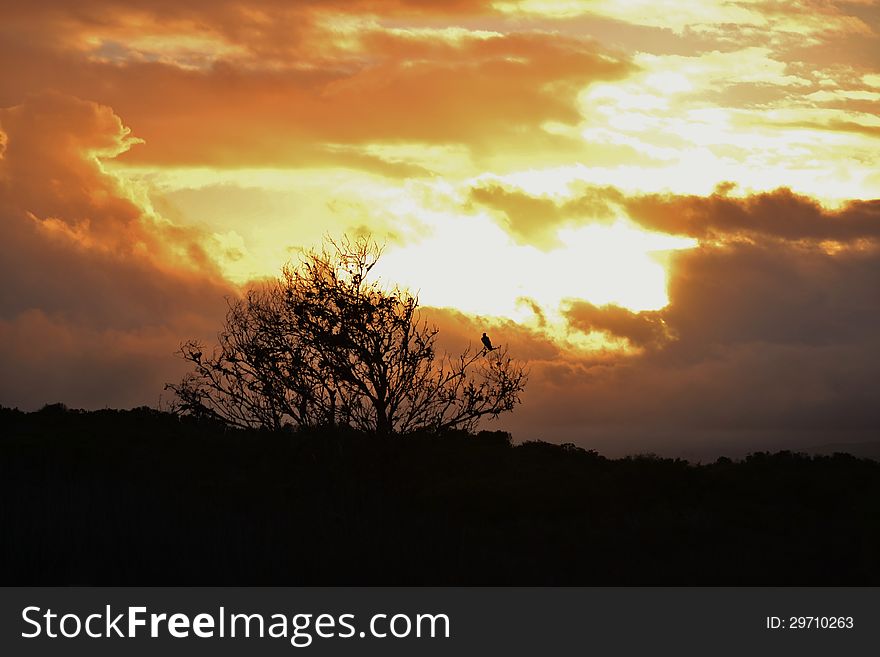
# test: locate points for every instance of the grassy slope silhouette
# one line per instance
(143, 497)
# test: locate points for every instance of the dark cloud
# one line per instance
(641, 329)
(772, 346)
(784, 294)
(769, 340)
(778, 214)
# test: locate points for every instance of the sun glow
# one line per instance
(475, 268)
(453, 255)
(662, 123)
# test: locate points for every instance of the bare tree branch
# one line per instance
(325, 345)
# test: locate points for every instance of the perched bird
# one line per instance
(487, 343)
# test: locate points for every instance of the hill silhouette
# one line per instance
(142, 497)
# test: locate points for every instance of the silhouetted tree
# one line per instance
(326, 344)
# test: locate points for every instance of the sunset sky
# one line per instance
(670, 208)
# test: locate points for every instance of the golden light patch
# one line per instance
(509, 105)
(454, 255)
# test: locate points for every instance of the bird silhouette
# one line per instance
(487, 343)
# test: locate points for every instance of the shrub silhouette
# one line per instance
(326, 345)
(143, 497)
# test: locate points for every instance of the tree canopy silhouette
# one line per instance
(326, 344)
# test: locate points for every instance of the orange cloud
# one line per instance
(769, 332)
(343, 84)
(96, 290)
